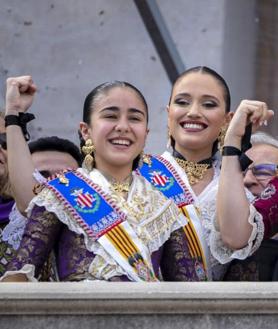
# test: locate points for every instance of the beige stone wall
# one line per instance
(266, 87)
(71, 46)
(139, 305)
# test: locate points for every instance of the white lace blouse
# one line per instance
(220, 254)
(13, 231)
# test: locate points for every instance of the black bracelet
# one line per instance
(20, 120)
(230, 151)
(243, 159)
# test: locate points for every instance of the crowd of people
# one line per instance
(206, 209)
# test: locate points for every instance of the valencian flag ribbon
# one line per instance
(98, 215)
(163, 176)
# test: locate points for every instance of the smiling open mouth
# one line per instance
(120, 142)
(193, 125)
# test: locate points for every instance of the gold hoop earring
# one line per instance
(88, 149)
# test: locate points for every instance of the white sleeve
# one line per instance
(28, 270)
(224, 254)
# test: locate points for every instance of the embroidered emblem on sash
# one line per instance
(161, 181)
(85, 202)
(82, 198)
(163, 176)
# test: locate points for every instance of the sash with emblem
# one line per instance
(101, 219)
(163, 176)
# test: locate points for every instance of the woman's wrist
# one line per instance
(233, 141)
(229, 150)
(11, 112)
(21, 120)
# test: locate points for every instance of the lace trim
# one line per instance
(47, 199)
(13, 231)
(152, 230)
(156, 232)
(224, 254)
(39, 177)
(27, 269)
(206, 203)
(205, 195)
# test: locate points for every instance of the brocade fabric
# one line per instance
(6, 249)
(79, 259)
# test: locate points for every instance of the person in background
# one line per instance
(22, 166)
(264, 154)
(263, 265)
(48, 156)
(45, 157)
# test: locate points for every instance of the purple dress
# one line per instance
(45, 232)
(6, 251)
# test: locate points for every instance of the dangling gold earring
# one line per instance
(140, 162)
(221, 137)
(168, 145)
(88, 149)
(144, 158)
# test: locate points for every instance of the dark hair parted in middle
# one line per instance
(102, 90)
(214, 74)
(219, 79)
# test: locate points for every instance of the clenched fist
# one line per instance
(20, 92)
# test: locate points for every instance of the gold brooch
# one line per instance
(147, 159)
(195, 171)
(63, 179)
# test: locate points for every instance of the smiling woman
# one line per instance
(115, 118)
(106, 221)
(198, 114)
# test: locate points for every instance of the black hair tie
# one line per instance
(244, 161)
(20, 120)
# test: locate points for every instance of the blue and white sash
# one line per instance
(163, 176)
(102, 220)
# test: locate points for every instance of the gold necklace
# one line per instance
(195, 171)
(121, 187)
